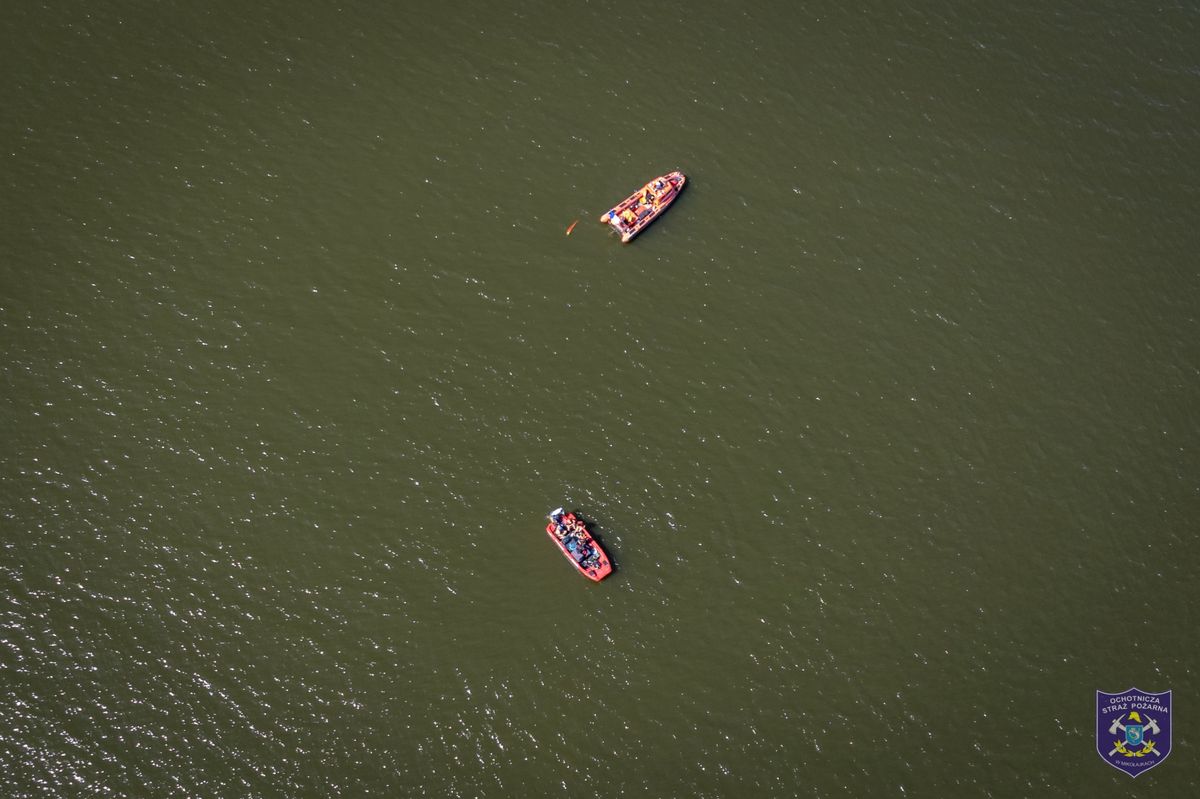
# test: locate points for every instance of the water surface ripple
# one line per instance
(889, 424)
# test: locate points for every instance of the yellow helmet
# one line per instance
(1133, 716)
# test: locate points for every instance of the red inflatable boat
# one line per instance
(570, 534)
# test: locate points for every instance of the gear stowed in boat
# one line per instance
(570, 533)
(631, 216)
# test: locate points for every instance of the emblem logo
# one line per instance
(1133, 729)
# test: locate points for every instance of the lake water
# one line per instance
(891, 424)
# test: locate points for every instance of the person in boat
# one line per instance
(628, 216)
(579, 551)
(582, 552)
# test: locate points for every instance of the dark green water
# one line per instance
(890, 423)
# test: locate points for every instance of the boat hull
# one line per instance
(595, 568)
(635, 213)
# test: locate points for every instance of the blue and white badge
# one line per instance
(1133, 729)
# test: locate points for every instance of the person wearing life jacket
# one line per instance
(628, 216)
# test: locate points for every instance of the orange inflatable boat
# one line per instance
(631, 216)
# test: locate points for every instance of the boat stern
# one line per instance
(602, 570)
